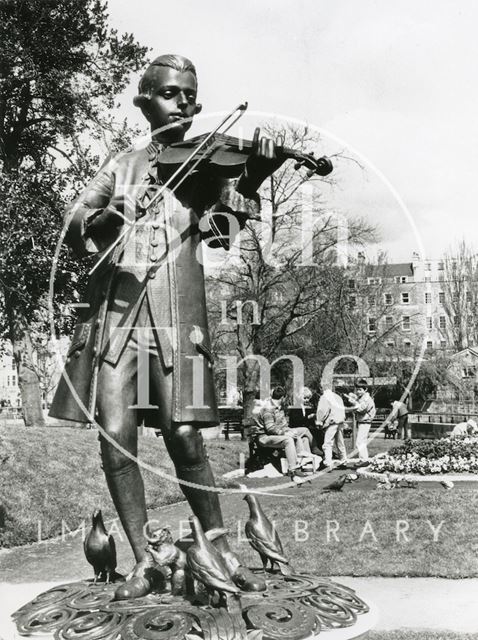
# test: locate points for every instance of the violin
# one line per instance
(219, 153)
(226, 156)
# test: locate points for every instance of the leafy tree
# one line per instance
(61, 68)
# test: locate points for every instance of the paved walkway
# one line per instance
(414, 603)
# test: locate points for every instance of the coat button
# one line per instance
(155, 225)
(153, 258)
(97, 324)
(77, 354)
(152, 275)
(95, 351)
(68, 360)
(154, 243)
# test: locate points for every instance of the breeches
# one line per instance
(140, 380)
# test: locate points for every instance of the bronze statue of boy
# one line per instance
(149, 293)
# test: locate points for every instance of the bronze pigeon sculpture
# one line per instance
(208, 567)
(100, 549)
(263, 537)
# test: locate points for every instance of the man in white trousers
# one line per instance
(364, 407)
(331, 417)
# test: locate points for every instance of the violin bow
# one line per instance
(235, 114)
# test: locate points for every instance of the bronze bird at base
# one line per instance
(263, 537)
(100, 549)
(208, 567)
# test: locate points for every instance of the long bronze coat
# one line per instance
(163, 264)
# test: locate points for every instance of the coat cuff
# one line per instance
(246, 206)
(76, 234)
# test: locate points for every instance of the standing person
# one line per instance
(331, 418)
(400, 411)
(364, 407)
(154, 281)
(273, 431)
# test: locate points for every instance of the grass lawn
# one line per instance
(359, 532)
(54, 474)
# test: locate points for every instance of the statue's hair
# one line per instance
(145, 86)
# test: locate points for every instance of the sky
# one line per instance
(393, 82)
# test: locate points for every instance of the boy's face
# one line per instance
(173, 98)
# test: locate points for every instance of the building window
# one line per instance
(428, 266)
(429, 321)
(390, 343)
(8, 381)
(352, 301)
(441, 297)
(428, 298)
(406, 323)
(428, 278)
(351, 284)
(443, 344)
(401, 279)
(389, 322)
(442, 322)
(374, 280)
(372, 325)
(429, 344)
(469, 372)
(14, 381)
(468, 296)
(441, 266)
(388, 298)
(405, 297)
(407, 344)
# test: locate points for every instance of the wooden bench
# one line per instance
(231, 418)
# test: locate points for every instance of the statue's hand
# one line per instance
(114, 213)
(110, 219)
(265, 158)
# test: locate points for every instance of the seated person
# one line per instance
(273, 431)
(468, 428)
(304, 416)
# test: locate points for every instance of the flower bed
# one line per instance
(446, 455)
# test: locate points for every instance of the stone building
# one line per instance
(402, 302)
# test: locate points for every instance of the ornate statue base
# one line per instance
(295, 607)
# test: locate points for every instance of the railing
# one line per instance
(441, 418)
(10, 413)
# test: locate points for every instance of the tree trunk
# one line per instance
(28, 381)
(250, 387)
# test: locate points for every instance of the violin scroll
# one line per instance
(315, 166)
